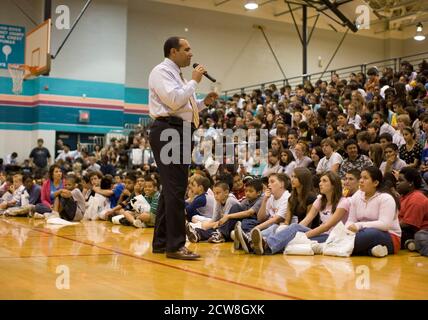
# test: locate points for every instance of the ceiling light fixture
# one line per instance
(251, 5)
(419, 36)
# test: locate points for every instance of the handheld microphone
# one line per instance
(205, 73)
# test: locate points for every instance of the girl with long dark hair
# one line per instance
(373, 215)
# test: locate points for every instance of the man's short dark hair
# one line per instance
(202, 181)
(106, 182)
(387, 136)
(171, 43)
(349, 142)
(392, 146)
(256, 184)
(364, 136)
(372, 71)
(223, 185)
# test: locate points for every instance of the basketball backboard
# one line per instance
(38, 49)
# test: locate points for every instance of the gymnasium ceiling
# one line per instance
(388, 18)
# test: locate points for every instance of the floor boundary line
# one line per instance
(161, 263)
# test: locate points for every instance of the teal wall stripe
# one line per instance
(134, 118)
(29, 86)
(71, 116)
(57, 127)
(65, 118)
(60, 115)
(76, 88)
(136, 95)
(17, 114)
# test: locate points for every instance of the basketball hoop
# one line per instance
(18, 72)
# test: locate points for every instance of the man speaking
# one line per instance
(173, 105)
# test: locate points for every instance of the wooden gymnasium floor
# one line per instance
(115, 262)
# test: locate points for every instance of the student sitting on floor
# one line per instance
(246, 210)
(300, 201)
(5, 182)
(29, 198)
(94, 178)
(130, 209)
(392, 161)
(302, 196)
(273, 209)
(330, 206)
(152, 195)
(70, 203)
(147, 216)
(275, 201)
(123, 199)
(251, 205)
(97, 205)
(50, 189)
(16, 189)
(200, 206)
(113, 195)
(413, 214)
(373, 215)
(32, 191)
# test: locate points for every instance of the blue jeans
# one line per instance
(425, 176)
(249, 223)
(277, 241)
(269, 230)
(366, 239)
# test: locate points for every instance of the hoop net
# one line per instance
(18, 73)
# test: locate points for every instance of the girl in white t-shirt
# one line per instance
(331, 207)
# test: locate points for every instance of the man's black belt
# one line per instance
(167, 119)
(174, 121)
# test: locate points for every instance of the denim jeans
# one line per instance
(367, 238)
(277, 241)
(269, 230)
(249, 223)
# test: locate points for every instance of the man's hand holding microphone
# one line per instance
(197, 73)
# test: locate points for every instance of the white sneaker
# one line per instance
(116, 219)
(379, 251)
(410, 245)
(191, 233)
(317, 247)
(236, 243)
(139, 224)
(38, 216)
(52, 214)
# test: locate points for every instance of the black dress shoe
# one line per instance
(183, 253)
(159, 250)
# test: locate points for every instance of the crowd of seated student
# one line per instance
(95, 197)
(375, 124)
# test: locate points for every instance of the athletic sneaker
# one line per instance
(191, 233)
(243, 238)
(139, 224)
(410, 245)
(38, 216)
(317, 247)
(216, 237)
(236, 244)
(259, 243)
(379, 251)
